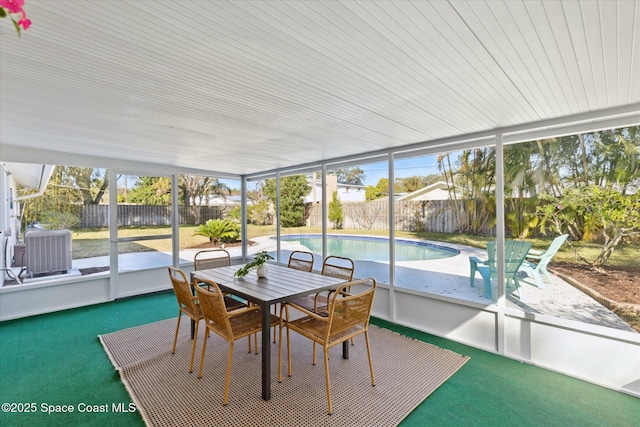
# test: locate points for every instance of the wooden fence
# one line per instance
(426, 215)
(97, 216)
(429, 215)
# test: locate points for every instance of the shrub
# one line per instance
(219, 230)
(60, 220)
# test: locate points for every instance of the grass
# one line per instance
(95, 242)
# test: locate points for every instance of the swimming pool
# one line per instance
(370, 248)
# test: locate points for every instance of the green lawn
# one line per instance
(95, 242)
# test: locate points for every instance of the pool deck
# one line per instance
(447, 277)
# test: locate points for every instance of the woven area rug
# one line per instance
(166, 394)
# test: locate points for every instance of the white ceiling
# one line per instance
(244, 87)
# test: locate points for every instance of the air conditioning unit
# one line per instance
(47, 251)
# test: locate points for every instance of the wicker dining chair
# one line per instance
(230, 325)
(188, 305)
(298, 260)
(301, 260)
(347, 317)
(215, 258)
(334, 266)
(211, 258)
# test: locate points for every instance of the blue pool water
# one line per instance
(368, 248)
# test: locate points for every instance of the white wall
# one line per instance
(603, 356)
(9, 212)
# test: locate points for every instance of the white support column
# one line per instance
(500, 316)
(175, 222)
(243, 214)
(325, 245)
(278, 217)
(113, 234)
(392, 238)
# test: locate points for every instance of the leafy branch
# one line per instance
(258, 259)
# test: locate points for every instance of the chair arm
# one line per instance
(306, 312)
(536, 252)
(243, 310)
(477, 260)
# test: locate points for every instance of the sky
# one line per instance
(423, 166)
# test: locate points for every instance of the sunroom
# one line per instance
(253, 92)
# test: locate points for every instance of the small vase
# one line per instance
(262, 270)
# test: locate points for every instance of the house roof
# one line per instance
(31, 176)
(441, 185)
(245, 87)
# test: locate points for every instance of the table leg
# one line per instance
(193, 328)
(266, 352)
(345, 349)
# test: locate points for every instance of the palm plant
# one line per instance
(218, 230)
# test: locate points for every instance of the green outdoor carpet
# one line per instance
(57, 359)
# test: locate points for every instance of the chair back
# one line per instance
(351, 310)
(301, 260)
(182, 289)
(547, 256)
(515, 252)
(340, 267)
(214, 309)
(211, 258)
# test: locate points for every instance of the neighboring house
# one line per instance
(436, 191)
(346, 192)
(220, 200)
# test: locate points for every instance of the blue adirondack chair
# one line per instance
(539, 268)
(515, 252)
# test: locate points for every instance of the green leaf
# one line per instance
(15, 24)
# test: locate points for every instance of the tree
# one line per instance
(381, 189)
(151, 190)
(258, 207)
(68, 189)
(293, 190)
(335, 211)
(352, 175)
(593, 213)
(413, 183)
(200, 189)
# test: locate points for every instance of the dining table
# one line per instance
(281, 284)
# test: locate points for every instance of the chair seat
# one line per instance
(244, 324)
(309, 302)
(198, 315)
(317, 330)
(232, 303)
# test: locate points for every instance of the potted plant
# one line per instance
(259, 263)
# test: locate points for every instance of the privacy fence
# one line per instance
(97, 216)
(443, 216)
